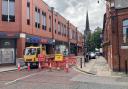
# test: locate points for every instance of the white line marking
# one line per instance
(21, 78)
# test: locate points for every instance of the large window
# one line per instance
(28, 12)
(8, 10)
(125, 31)
(55, 26)
(37, 17)
(59, 28)
(50, 21)
(43, 21)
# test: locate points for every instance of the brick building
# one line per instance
(32, 22)
(115, 34)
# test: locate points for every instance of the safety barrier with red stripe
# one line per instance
(70, 60)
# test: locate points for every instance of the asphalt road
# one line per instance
(36, 79)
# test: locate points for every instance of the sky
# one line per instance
(75, 11)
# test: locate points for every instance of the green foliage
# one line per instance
(94, 39)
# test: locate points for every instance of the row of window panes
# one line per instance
(125, 31)
(8, 14)
(8, 8)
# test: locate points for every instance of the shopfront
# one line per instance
(8, 43)
(73, 48)
(61, 47)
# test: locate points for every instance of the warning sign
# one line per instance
(58, 57)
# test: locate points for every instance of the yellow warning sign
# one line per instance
(58, 57)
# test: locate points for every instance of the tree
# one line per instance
(94, 39)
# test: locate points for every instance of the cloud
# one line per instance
(75, 11)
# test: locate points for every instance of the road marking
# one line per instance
(10, 82)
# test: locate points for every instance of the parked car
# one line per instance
(97, 53)
(92, 55)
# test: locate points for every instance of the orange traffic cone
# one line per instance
(28, 66)
(39, 65)
(50, 66)
(18, 66)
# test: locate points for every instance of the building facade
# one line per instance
(26, 23)
(115, 34)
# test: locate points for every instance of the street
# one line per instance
(36, 79)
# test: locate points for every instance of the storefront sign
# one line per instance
(33, 39)
(44, 41)
(58, 57)
(36, 39)
(9, 35)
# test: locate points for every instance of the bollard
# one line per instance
(18, 66)
(80, 62)
(126, 65)
(28, 66)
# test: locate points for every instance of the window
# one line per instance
(125, 31)
(70, 34)
(43, 21)
(50, 23)
(59, 28)
(8, 8)
(55, 26)
(28, 12)
(37, 17)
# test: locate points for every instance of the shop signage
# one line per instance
(36, 39)
(9, 35)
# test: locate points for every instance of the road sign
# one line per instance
(58, 57)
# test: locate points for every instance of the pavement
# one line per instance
(10, 68)
(98, 67)
(6, 68)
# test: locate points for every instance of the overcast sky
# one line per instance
(75, 11)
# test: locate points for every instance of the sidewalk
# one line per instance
(98, 67)
(13, 67)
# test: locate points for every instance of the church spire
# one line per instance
(87, 23)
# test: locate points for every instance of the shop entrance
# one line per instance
(7, 51)
(7, 56)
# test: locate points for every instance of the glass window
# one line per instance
(125, 31)
(4, 7)
(28, 12)
(43, 21)
(59, 28)
(37, 17)
(11, 8)
(8, 10)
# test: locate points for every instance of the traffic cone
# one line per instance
(39, 66)
(28, 66)
(50, 66)
(18, 66)
(67, 68)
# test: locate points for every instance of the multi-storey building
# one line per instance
(32, 22)
(115, 34)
